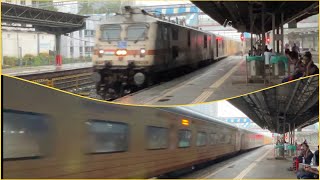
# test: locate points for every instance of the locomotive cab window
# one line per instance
(165, 33)
(201, 139)
(110, 32)
(137, 32)
(25, 135)
(175, 34)
(184, 138)
(157, 137)
(107, 136)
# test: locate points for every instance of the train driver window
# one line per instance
(157, 137)
(165, 33)
(25, 135)
(110, 32)
(107, 136)
(137, 32)
(205, 41)
(184, 138)
(175, 33)
(201, 139)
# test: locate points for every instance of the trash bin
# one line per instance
(255, 65)
(279, 150)
(279, 64)
(291, 150)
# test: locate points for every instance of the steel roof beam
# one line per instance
(45, 20)
(292, 96)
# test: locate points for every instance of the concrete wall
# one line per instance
(19, 43)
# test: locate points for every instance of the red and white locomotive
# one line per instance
(132, 47)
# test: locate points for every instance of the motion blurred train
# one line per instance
(134, 47)
(50, 134)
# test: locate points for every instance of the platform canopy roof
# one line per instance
(296, 103)
(41, 19)
(239, 12)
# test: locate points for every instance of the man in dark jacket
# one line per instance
(309, 172)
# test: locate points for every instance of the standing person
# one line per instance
(266, 48)
(285, 147)
(311, 68)
(295, 48)
(299, 67)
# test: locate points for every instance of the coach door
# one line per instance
(210, 47)
(217, 47)
(167, 45)
(238, 141)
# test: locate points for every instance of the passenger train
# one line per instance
(134, 47)
(50, 134)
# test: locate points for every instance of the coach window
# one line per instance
(189, 38)
(107, 136)
(175, 34)
(25, 135)
(205, 41)
(213, 139)
(184, 138)
(228, 139)
(137, 32)
(157, 137)
(110, 32)
(222, 138)
(201, 139)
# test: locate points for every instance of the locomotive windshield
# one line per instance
(110, 32)
(136, 32)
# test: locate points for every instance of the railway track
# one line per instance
(77, 81)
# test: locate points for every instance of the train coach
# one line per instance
(63, 136)
(134, 47)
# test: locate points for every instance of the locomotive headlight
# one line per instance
(121, 52)
(142, 51)
(101, 51)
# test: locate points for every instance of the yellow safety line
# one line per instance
(207, 93)
(156, 105)
(224, 167)
(251, 166)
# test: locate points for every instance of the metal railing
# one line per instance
(68, 82)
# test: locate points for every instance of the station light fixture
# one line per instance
(242, 37)
(268, 38)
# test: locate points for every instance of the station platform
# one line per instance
(223, 79)
(21, 71)
(256, 164)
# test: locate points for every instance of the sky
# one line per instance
(161, 2)
(225, 109)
